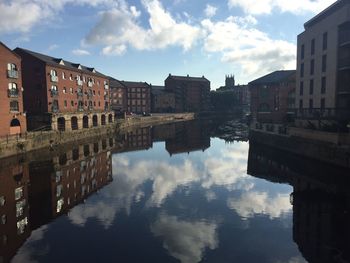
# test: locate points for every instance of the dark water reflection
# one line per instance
(173, 193)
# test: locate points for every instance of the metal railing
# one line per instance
(12, 74)
(323, 113)
(54, 93)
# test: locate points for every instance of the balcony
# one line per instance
(106, 86)
(13, 74)
(54, 108)
(80, 94)
(13, 93)
(80, 108)
(323, 114)
(54, 93)
(344, 63)
(79, 82)
(54, 78)
(89, 84)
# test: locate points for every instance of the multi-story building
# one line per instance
(14, 207)
(162, 100)
(118, 95)
(12, 117)
(138, 96)
(63, 95)
(323, 67)
(272, 96)
(192, 94)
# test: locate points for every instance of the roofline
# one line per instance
(329, 10)
(9, 49)
(97, 73)
(188, 76)
(261, 83)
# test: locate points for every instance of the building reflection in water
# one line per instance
(321, 201)
(33, 193)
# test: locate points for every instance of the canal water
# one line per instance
(185, 192)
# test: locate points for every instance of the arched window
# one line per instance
(94, 121)
(103, 119)
(74, 123)
(53, 72)
(11, 66)
(12, 71)
(12, 90)
(61, 124)
(85, 122)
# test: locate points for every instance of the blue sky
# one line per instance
(145, 40)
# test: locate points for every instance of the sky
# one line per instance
(145, 40)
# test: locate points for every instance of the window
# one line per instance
(64, 90)
(312, 67)
(65, 104)
(302, 52)
(323, 85)
(71, 90)
(18, 193)
(70, 77)
(63, 75)
(311, 103)
(2, 200)
(3, 219)
(14, 105)
(11, 67)
(323, 103)
(53, 72)
(325, 41)
(302, 70)
(59, 190)
(21, 225)
(301, 92)
(72, 103)
(20, 208)
(300, 104)
(312, 46)
(311, 89)
(324, 63)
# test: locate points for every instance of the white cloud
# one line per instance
(251, 203)
(185, 240)
(242, 44)
(267, 6)
(80, 52)
(210, 10)
(120, 27)
(116, 50)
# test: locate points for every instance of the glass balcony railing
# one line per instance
(54, 78)
(13, 93)
(80, 94)
(12, 74)
(89, 84)
(54, 93)
(79, 82)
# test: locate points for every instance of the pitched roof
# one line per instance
(58, 62)
(114, 83)
(187, 78)
(273, 78)
(6, 47)
(134, 84)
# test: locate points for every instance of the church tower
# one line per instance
(230, 81)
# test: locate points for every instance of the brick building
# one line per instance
(162, 99)
(323, 67)
(192, 94)
(63, 95)
(12, 117)
(118, 93)
(138, 96)
(272, 96)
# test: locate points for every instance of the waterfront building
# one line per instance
(61, 95)
(192, 94)
(162, 99)
(323, 68)
(118, 96)
(12, 117)
(138, 96)
(272, 96)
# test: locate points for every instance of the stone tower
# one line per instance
(230, 81)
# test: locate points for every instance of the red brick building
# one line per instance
(138, 95)
(12, 118)
(162, 100)
(63, 95)
(192, 94)
(272, 96)
(118, 95)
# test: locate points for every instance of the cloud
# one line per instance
(210, 10)
(185, 240)
(120, 27)
(80, 52)
(267, 6)
(242, 44)
(116, 50)
(251, 203)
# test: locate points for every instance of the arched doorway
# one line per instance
(85, 122)
(61, 124)
(74, 123)
(103, 119)
(94, 121)
(15, 127)
(110, 118)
